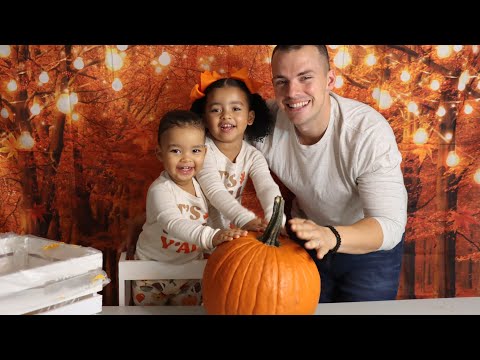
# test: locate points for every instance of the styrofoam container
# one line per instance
(37, 273)
(87, 305)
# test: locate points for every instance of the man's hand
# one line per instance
(317, 237)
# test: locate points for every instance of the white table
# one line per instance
(444, 306)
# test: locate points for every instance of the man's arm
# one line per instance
(360, 238)
(384, 198)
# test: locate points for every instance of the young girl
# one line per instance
(232, 110)
(175, 230)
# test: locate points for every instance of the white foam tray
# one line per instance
(89, 305)
(38, 274)
(30, 261)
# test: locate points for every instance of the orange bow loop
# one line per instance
(196, 93)
(242, 75)
(207, 78)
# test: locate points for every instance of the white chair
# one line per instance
(129, 270)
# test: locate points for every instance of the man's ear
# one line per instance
(251, 117)
(331, 79)
(158, 153)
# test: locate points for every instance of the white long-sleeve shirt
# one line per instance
(219, 173)
(353, 172)
(175, 230)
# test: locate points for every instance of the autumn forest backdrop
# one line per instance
(78, 130)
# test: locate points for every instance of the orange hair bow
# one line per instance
(207, 78)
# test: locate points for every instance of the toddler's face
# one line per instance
(182, 152)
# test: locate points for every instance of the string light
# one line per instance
(35, 109)
(468, 109)
(476, 176)
(444, 51)
(420, 137)
(405, 76)
(5, 51)
(164, 59)
(117, 84)
(4, 113)
(463, 80)
(63, 104)
(25, 141)
(342, 58)
(12, 86)
(73, 98)
(113, 61)
(78, 63)
(452, 159)
(412, 107)
(43, 77)
(441, 111)
(370, 60)
(435, 85)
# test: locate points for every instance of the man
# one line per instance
(340, 159)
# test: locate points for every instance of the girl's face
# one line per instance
(227, 114)
(182, 152)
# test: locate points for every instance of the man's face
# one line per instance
(302, 83)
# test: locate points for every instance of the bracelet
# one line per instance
(339, 239)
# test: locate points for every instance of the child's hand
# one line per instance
(228, 235)
(257, 224)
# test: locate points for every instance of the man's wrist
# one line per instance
(337, 237)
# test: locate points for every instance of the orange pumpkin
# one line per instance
(261, 273)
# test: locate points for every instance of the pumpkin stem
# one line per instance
(270, 236)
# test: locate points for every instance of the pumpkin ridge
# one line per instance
(227, 262)
(314, 273)
(277, 285)
(284, 277)
(236, 297)
(268, 250)
(304, 272)
(300, 274)
(247, 271)
(270, 258)
(220, 262)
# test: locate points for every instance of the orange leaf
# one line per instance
(9, 146)
(422, 151)
(462, 218)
